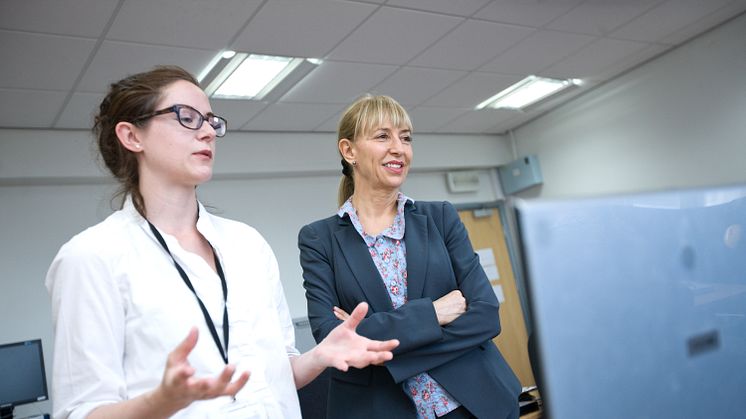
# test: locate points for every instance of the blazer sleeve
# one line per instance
(414, 324)
(477, 325)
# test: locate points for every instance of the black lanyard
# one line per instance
(210, 324)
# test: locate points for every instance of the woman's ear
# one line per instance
(127, 135)
(346, 150)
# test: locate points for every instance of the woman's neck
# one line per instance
(375, 209)
(173, 210)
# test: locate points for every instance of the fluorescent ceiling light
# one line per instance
(253, 76)
(526, 92)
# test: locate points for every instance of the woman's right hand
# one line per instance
(449, 307)
(179, 387)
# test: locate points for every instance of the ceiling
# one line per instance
(439, 58)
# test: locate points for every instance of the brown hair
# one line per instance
(128, 99)
(365, 114)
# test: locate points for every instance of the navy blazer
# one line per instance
(338, 270)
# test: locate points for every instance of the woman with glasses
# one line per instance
(164, 309)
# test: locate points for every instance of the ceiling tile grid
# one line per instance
(439, 58)
(311, 28)
(393, 36)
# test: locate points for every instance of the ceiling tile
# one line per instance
(429, 119)
(413, 85)
(185, 23)
(316, 26)
(335, 82)
(665, 19)
(61, 17)
(471, 45)
(471, 90)
(600, 17)
(399, 36)
(79, 111)
(683, 34)
(453, 7)
(292, 117)
(535, 13)
(590, 61)
(236, 112)
(479, 122)
(537, 52)
(29, 108)
(33, 54)
(115, 60)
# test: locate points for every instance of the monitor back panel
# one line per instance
(639, 303)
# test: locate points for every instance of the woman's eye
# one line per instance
(407, 139)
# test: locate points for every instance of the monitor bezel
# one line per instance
(37, 343)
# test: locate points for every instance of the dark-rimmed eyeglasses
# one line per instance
(191, 118)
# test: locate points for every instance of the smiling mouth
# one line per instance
(394, 165)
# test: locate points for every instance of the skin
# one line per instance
(173, 161)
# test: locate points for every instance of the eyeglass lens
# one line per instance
(192, 119)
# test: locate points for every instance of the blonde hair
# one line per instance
(365, 114)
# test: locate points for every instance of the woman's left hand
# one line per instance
(343, 347)
(340, 314)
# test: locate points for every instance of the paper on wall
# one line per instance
(486, 256)
(492, 273)
(487, 260)
(498, 289)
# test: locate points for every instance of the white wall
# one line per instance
(677, 121)
(51, 188)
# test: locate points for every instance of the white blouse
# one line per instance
(119, 307)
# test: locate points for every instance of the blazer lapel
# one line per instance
(361, 264)
(416, 240)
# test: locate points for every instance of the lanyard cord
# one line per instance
(208, 320)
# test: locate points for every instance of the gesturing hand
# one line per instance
(449, 307)
(180, 388)
(343, 347)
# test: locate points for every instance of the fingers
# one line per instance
(234, 387)
(370, 358)
(382, 346)
(208, 388)
(455, 296)
(225, 376)
(225, 387)
(357, 315)
(340, 314)
(182, 351)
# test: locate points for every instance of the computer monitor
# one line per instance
(22, 375)
(638, 303)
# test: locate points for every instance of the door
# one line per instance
(488, 239)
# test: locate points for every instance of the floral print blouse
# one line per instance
(390, 257)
